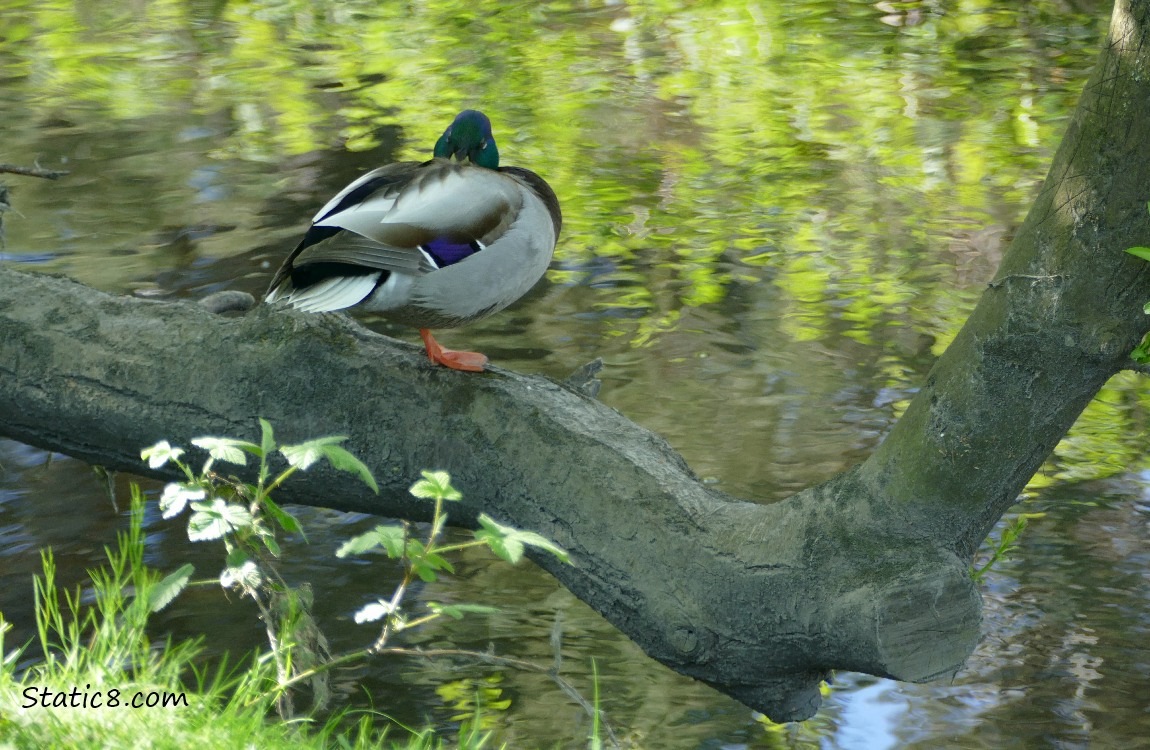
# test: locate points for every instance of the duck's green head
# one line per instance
(468, 138)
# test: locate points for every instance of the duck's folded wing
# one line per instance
(350, 248)
(443, 200)
(382, 180)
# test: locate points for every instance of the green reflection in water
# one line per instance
(776, 213)
(806, 144)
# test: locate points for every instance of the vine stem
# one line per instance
(461, 545)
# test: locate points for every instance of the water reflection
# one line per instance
(777, 214)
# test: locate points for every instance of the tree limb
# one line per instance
(866, 572)
(763, 599)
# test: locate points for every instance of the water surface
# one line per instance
(776, 216)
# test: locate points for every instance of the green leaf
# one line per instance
(162, 594)
(286, 520)
(437, 562)
(427, 573)
(342, 459)
(267, 438)
(496, 535)
(1139, 252)
(506, 549)
(160, 453)
(227, 449)
(358, 544)
(269, 540)
(435, 485)
(508, 542)
(237, 557)
(247, 575)
(302, 456)
(457, 611)
(538, 541)
(424, 562)
(217, 519)
(176, 496)
(391, 538)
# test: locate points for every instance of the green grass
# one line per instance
(92, 649)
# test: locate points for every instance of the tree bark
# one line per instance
(867, 572)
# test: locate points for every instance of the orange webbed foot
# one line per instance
(456, 360)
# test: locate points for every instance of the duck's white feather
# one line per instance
(336, 293)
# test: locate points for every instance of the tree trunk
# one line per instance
(867, 572)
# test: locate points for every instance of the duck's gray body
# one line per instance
(433, 245)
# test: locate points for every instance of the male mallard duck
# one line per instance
(434, 244)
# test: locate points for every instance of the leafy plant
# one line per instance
(423, 558)
(245, 518)
(1006, 543)
(98, 661)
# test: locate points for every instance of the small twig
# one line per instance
(47, 174)
(392, 609)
